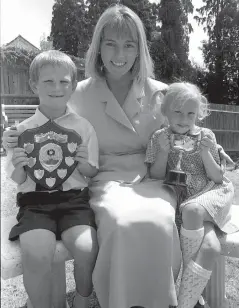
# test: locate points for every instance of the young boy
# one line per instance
(46, 215)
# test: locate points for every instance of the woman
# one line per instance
(135, 216)
(139, 255)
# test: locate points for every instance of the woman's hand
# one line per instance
(10, 138)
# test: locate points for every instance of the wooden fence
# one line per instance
(223, 121)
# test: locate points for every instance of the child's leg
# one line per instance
(192, 230)
(198, 271)
(38, 248)
(81, 241)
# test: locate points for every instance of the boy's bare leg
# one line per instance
(81, 241)
(59, 285)
(38, 248)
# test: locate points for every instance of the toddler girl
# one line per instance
(206, 199)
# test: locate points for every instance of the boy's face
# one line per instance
(182, 118)
(54, 86)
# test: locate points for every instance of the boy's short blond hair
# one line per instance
(54, 58)
(123, 20)
(180, 92)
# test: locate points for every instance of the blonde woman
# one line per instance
(139, 250)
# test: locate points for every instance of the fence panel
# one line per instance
(224, 122)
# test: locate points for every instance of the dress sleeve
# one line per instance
(153, 147)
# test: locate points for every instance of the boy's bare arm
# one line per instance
(19, 175)
(87, 170)
(19, 160)
(84, 167)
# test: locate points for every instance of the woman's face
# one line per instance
(118, 53)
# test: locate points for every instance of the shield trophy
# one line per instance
(50, 149)
(180, 144)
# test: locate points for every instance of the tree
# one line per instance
(46, 42)
(94, 8)
(170, 45)
(221, 51)
(143, 8)
(68, 26)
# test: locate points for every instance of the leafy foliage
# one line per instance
(170, 46)
(46, 43)
(13, 56)
(68, 27)
(221, 52)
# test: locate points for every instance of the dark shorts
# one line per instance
(56, 211)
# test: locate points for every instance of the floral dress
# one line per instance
(215, 198)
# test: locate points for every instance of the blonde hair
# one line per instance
(180, 92)
(123, 20)
(54, 58)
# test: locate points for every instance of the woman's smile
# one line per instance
(118, 64)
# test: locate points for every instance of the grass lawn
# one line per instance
(12, 291)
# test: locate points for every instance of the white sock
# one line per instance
(191, 241)
(193, 282)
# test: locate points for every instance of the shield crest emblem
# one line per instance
(50, 149)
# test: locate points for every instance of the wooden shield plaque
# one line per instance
(50, 149)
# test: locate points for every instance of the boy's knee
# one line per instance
(85, 246)
(37, 260)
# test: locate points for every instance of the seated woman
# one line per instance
(139, 250)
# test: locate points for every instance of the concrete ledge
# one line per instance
(11, 265)
(230, 245)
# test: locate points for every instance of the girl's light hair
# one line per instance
(123, 20)
(54, 58)
(180, 92)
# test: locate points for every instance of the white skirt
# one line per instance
(139, 255)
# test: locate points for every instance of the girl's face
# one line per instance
(182, 118)
(118, 53)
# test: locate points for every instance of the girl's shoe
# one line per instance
(80, 301)
(200, 303)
